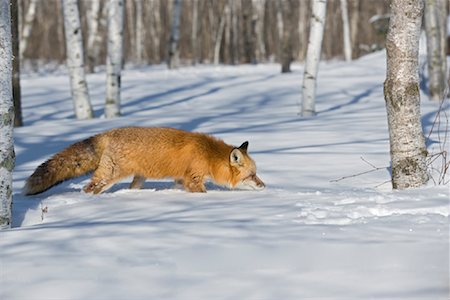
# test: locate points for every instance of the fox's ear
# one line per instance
(236, 157)
(244, 146)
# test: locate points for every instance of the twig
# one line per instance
(374, 168)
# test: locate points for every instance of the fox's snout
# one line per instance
(252, 182)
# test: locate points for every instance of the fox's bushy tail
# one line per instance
(76, 160)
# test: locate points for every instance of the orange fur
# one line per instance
(189, 158)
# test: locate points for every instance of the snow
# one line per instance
(309, 234)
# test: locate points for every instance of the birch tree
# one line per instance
(401, 93)
(114, 57)
(16, 63)
(27, 25)
(436, 74)
(75, 60)
(346, 31)
(319, 8)
(173, 59)
(7, 157)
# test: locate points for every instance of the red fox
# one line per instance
(148, 152)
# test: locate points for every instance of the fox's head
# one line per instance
(243, 170)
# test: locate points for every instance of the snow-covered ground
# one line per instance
(304, 236)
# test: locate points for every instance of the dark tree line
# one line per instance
(245, 31)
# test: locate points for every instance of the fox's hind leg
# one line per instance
(137, 182)
(104, 177)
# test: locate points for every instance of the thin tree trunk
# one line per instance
(114, 57)
(75, 60)
(227, 43)
(194, 42)
(401, 93)
(154, 28)
(139, 31)
(130, 26)
(247, 14)
(443, 11)
(302, 22)
(280, 28)
(258, 6)
(346, 31)
(354, 28)
(319, 8)
(287, 9)
(219, 35)
(27, 25)
(174, 54)
(7, 157)
(436, 76)
(16, 63)
(93, 43)
(235, 27)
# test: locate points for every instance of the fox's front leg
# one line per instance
(194, 183)
(137, 182)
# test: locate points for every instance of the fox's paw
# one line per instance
(94, 187)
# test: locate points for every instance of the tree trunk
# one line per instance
(139, 31)
(280, 29)
(219, 35)
(401, 92)
(16, 63)
(287, 10)
(93, 43)
(114, 57)
(354, 28)
(7, 157)
(346, 31)
(436, 76)
(319, 8)
(174, 35)
(443, 11)
(154, 28)
(194, 43)
(235, 28)
(260, 48)
(75, 60)
(27, 25)
(249, 47)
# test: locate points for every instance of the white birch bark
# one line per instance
(114, 57)
(219, 35)
(314, 50)
(139, 31)
(436, 76)
(401, 93)
(27, 25)
(93, 42)
(7, 157)
(75, 60)
(346, 31)
(173, 59)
